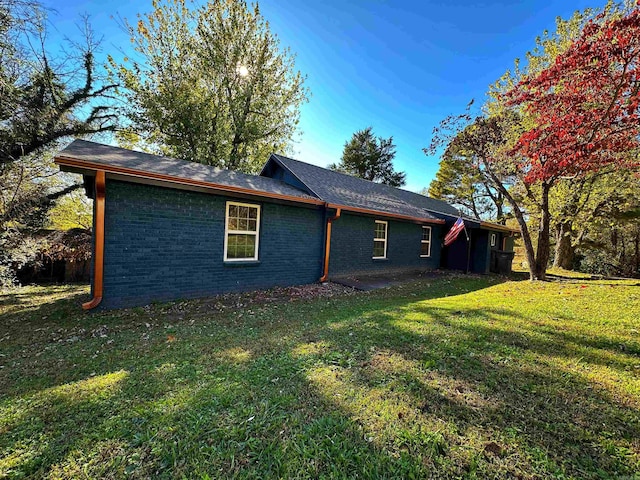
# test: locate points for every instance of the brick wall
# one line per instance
(166, 244)
(352, 246)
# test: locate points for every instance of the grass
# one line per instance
(460, 377)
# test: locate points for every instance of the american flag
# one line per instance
(453, 233)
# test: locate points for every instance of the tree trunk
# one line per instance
(637, 242)
(526, 237)
(500, 212)
(539, 270)
(564, 247)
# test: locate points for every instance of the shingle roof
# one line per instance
(96, 154)
(323, 185)
(347, 190)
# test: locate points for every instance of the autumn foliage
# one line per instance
(585, 106)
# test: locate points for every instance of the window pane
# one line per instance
(426, 233)
(424, 249)
(241, 246)
(233, 223)
(253, 213)
(243, 212)
(380, 231)
(250, 246)
(251, 225)
(378, 248)
(242, 224)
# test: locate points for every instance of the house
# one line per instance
(167, 229)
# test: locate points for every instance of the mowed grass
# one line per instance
(452, 377)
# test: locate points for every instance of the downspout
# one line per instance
(327, 246)
(98, 252)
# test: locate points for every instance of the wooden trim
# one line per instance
(386, 235)
(72, 162)
(98, 253)
(327, 245)
(496, 226)
(256, 233)
(425, 241)
(384, 214)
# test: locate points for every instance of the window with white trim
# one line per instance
(425, 245)
(380, 240)
(242, 232)
(493, 239)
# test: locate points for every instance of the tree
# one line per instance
(611, 246)
(46, 99)
(586, 108)
(74, 210)
(559, 119)
(459, 182)
(211, 85)
(371, 158)
(588, 102)
(580, 208)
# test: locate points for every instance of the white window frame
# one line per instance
(494, 238)
(241, 232)
(426, 241)
(386, 236)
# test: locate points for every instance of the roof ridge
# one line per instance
(362, 179)
(339, 173)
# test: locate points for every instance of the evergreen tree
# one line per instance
(371, 158)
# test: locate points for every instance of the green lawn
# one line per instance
(453, 377)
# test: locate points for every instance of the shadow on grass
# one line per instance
(381, 385)
(581, 427)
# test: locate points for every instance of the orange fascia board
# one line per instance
(496, 226)
(385, 214)
(72, 162)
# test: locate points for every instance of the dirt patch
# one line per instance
(383, 280)
(255, 298)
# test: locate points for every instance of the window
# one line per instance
(425, 246)
(493, 239)
(242, 227)
(380, 240)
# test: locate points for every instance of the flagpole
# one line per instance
(466, 234)
(468, 251)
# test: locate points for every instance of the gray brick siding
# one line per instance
(352, 246)
(166, 244)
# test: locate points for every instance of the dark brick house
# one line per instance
(168, 229)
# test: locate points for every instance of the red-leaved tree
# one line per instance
(585, 112)
(586, 105)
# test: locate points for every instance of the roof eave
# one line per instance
(497, 226)
(380, 213)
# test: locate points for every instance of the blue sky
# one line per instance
(397, 66)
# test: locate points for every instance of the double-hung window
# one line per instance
(242, 232)
(380, 240)
(425, 245)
